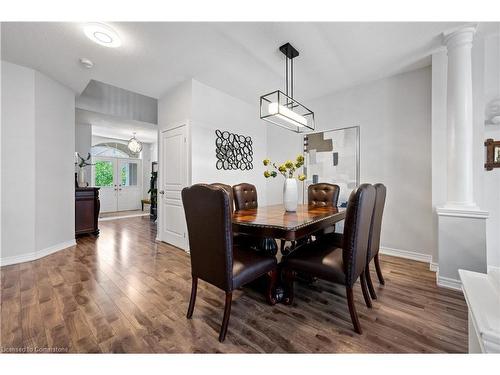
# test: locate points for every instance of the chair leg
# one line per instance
(369, 282)
(364, 288)
(194, 287)
(227, 313)
(379, 271)
(289, 276)
(273, 278)
(352, 310)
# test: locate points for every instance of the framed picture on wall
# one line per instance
(332, 156)
(492, 154)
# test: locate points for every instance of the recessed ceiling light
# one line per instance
(102, 34)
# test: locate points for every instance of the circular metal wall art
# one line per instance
(233, 151)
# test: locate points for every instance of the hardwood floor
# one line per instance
(123, 292)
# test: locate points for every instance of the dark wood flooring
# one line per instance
(124, 292)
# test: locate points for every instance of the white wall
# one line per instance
(439, 141)
(282, 145)
(175, 106)
(38, 144)
(54, 162)
(394, 115)
(18, 160)
(486, 86)
(212, 109)
(208, 109)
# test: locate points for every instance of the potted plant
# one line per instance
(82, 163)
(287, 170)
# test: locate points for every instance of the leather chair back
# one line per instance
(376, 226)
(209, 224)
(323, 194)
(245, 196)
(357, 231)
(228, 190)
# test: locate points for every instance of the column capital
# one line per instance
(458, 37)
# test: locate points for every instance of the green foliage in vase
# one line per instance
(286, 169)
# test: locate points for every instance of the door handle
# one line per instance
(162, 192)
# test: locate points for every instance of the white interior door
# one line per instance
(129, 176)
(173, 178)
(120, 181)
(104, 177)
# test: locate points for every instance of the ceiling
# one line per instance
(115, 127)
(241, 59)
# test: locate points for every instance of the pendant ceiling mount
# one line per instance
(280, 108)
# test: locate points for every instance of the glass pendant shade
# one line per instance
(134, 145)
(282, 110)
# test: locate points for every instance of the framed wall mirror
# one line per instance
(332, 156)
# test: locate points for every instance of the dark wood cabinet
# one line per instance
(87, 207)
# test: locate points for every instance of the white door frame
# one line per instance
(116, 177)
(161, 197)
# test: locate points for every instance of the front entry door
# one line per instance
(103, 177)
(120, 181)
(129, 184)
(173, 178)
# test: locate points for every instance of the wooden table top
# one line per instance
(276, 222)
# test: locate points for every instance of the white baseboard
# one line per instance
(493, 269)
(7, 261)
(446, 282)
(406, 254)
(122, 217)
(434, 267)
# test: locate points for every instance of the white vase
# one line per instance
(290, 194)
(81, 178)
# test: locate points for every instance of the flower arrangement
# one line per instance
(287, 169)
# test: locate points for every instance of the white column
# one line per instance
(461, 224)
(459, 119)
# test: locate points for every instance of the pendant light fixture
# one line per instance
(281, 108)
(134, 145)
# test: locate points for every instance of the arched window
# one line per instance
(112, 149)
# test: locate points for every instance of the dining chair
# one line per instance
(339, 265)
(374, 238)
(323, 195)
(214, 258)
(229, 191)
(245, 196)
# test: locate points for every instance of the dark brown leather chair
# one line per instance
(374, 239)
(323, 194)
(214, 259)
(245, 196)
(229, 190)
(340, 265)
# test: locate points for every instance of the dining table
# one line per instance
(267, 224)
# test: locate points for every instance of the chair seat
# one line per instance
(320, 259)
(249, 265)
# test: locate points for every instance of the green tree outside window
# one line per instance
(103, 173)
